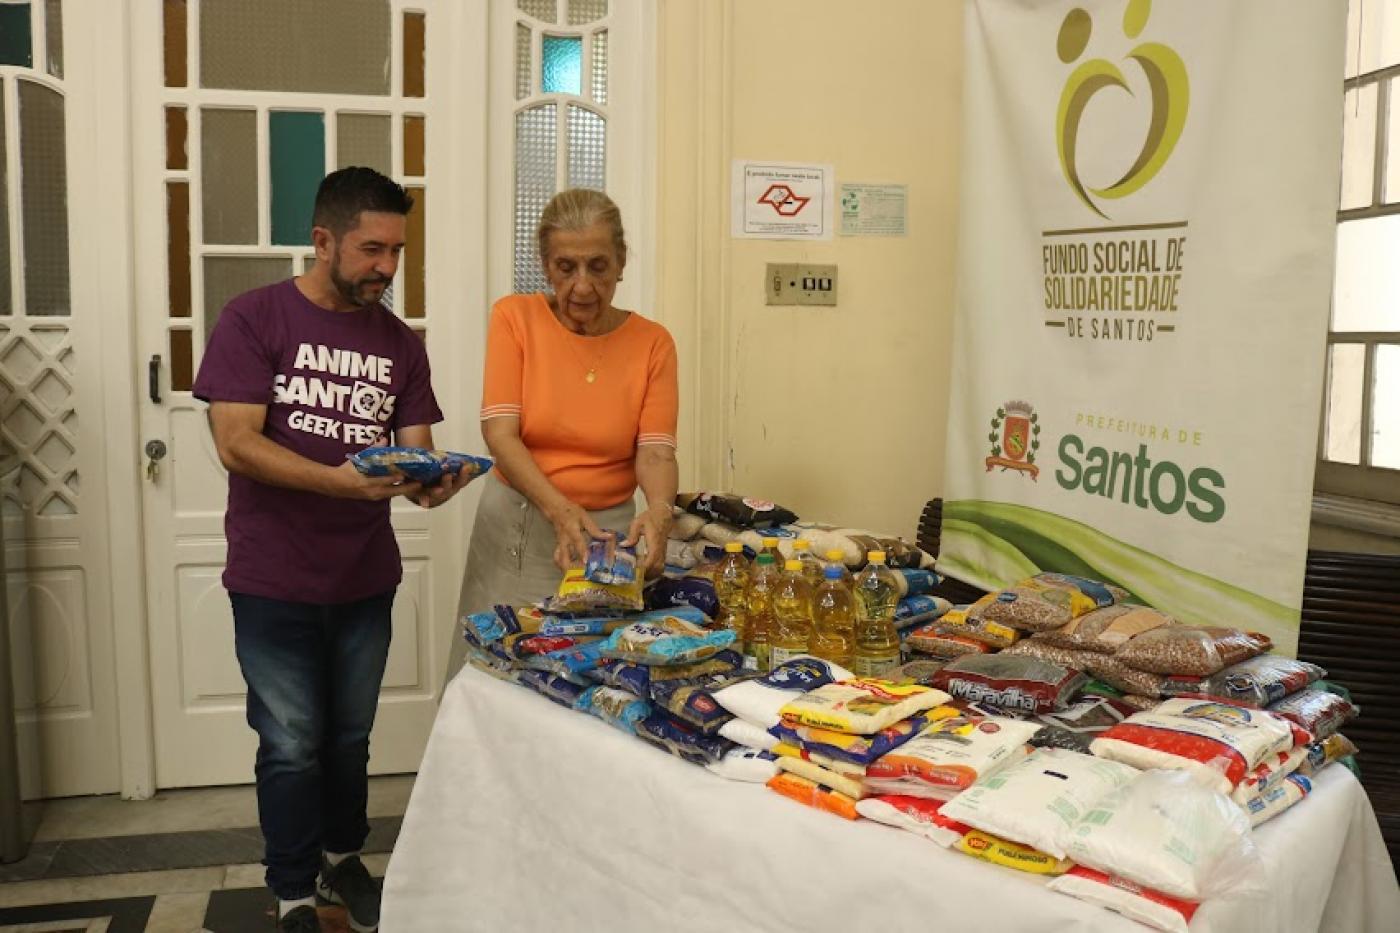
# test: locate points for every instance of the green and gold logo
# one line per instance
(1166, 77)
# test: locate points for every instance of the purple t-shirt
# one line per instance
(334, 382)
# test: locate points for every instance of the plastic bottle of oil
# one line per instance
(877, 642)
(811, 563)
(792, 614)
(758, 615)
(770, 546)
(837, 558)
(731, 582)
(833, 619)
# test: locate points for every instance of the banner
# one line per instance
(1148, 218)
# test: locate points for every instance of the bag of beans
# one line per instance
(1106, 630)
(1185, 649)
(1320, 712)
(1010, 682)
(1046, 601)
(1255, 682)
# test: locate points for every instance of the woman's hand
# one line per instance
(574, 528)
(652, 526)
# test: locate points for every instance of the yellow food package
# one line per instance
(861, 705)
(578, 594)
(998, 851)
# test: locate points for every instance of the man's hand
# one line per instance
(430, 497)
(346, 482)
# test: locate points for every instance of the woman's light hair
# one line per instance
(578, 209)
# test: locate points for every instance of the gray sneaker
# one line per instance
(350, 885)
(300, 920)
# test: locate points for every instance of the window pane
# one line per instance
(53, 32)
(228, 276)
(1392, 151)
(600, 67)
(1345, 373)
(228, 150)
(1379, 26)
(363, 139)
(1358, 147)
(586, 11)
(177, 130)
(414, 145)
(543, 10)
(298, 154)
(414, 303)
(6, 307)
(181, 360)
(522, 61)
(176, 41)
(587, 145)
(561, 65)
(177, 200)
(16, 40)
(1366, 296)
(1385, 408)
(331, 46)
(44, 189)
(534, 186)
(414, 39)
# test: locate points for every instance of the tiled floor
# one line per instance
(83, 869)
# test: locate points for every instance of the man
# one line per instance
(299, 375)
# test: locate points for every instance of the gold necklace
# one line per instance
(591, 376)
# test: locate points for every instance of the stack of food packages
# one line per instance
(1050, 727)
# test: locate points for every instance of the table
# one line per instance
(528, 816)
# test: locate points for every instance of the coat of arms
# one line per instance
(1015, 438)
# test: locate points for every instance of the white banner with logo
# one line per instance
(1148, 217)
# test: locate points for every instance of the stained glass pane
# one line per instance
(44, 189)
(228, 276)
(181, 360)
(522, 61)
(586, 11)
(535, 142)
(588, 136)
(176, 43)
(414, 38)
(363, 139)
(543, 10)
(177, 155)
(414, 145)
(561, 65)
(600, 67)
(53, 33)
(331, 46)
(414, 303)
(298, 155)
(177, 208)
(6, 305)
(228, 142)
(16, 39)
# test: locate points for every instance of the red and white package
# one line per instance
(1217, 743)
(1318, 711)
(1269, 773)
(913, 814)
(947, 757)
(1133, 901)
(1012, 682)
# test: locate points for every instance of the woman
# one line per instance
(579, 409)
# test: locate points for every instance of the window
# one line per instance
(1359, 450)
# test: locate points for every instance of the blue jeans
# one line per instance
(313, 675)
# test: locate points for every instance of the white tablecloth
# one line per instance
(528, 816)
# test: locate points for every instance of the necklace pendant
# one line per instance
(592, 376)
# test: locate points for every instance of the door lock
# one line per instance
(155, 453)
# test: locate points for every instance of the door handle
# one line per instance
(155, 453)
(153, 377)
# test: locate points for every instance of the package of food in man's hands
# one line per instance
(419, 464)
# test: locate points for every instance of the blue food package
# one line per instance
(573, 662)
(615, 707)
(669, 639)
(619, 567)
(682, 740)
(607, 624)
(419, 464)
(559, 689)
(913, 611)
(638, 679)
(856, 749)
(673, 592)
(486, 628)
(693, 702)
(918, 582)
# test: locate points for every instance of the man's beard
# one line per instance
(353, 292)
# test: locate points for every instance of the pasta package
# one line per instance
(811, 794)
(609, 561)
(578, 594)
(665, 639)
(419, 464)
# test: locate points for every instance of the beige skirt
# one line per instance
(510, 559)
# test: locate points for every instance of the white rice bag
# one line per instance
(950, 756)
(720, 533)
(912, 814)
(1276, 799)
(760, 701)
(685, 526)
(1148, 907)
(1166, 832)
(1038, 800)
(861, 705)
(742, 732)
(1269, 774)
(745, 764)
(1217, 743)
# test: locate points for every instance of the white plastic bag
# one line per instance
(745, 764)
(745, 733)
(759, 701)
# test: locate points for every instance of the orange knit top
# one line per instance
(583, 435)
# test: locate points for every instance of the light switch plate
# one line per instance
(790, 283)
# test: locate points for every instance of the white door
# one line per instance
(241, 108)
(53, 440)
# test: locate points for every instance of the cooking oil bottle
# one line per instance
(758, 615)
(877, 642)
(837, 558)
(833, 619)
(770, 546)
(731, 582)
(792, 614)
(811, 563)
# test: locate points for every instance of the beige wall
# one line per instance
(840, 412)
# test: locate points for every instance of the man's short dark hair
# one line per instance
(345, 193)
